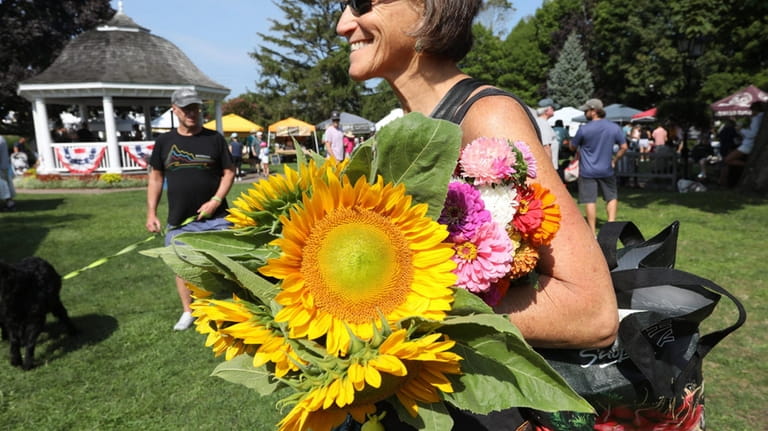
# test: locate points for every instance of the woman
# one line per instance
(415, 46)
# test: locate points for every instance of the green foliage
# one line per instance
(570, 81)
(303, 64)
(34, 33)
(419, 153)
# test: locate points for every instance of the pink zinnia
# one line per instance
(464, 210)
(483, 259)
(530, 162)
(488, 161)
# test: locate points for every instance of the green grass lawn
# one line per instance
(128, 369)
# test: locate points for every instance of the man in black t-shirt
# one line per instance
(196, 164)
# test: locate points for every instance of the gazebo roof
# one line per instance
(121, 59)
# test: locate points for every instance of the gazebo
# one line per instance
(118, 64)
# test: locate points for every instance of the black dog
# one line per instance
(29, 290)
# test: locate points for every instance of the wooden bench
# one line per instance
(656, 165)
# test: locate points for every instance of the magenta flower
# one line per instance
(464, 211)
(483, 259)
(488, 161)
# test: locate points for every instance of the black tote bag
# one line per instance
(652, 375)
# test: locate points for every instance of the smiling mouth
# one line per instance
(357, 45)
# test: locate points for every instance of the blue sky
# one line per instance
(218, 35)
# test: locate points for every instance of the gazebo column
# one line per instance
(83, 109)
(219, 123)
(42, 136)
(111, 134)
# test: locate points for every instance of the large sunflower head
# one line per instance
(350, 252)
(271, 197)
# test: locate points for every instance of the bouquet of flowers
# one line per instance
(352, 283)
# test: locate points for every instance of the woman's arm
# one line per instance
(575, 305)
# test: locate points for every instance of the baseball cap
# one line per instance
(592, 104)
(335, 115)
(544, 103)
(234, 135)
(185, 97)
(259, 133)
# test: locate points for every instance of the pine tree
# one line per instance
(570, 82)
(34, 33)
(303, 64)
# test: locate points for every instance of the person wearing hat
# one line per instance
(549, 138)
(349, 143)
(594, 142)
(333, 139)
(264, 158)
(236, 150)
(197, 166)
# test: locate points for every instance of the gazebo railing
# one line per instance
(89, 157)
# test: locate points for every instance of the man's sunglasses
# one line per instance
(359, 7)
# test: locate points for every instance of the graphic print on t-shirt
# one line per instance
(180, 159)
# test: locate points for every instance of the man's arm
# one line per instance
(209, 208)
(154, 192)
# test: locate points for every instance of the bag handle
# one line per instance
(658, 251)
(667, 381)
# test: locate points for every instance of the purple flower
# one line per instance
(464, 210)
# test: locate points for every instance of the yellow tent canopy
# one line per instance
(233, 123)
(291, 127)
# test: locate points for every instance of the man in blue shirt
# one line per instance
(594, 142)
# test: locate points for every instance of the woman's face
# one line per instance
(379, 40)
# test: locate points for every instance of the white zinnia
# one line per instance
(501, 202)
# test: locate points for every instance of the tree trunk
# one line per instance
(755, 176)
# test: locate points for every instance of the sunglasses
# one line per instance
(359, 7)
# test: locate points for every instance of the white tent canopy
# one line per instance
(392, 116)
(164, 121)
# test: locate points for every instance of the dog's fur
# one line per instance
(29, 290)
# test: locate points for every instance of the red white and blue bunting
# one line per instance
(80, 160)
(140, 152)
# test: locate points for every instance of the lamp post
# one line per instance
(691, 47)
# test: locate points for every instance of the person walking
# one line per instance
(198, 168)
(7, 191)
(236, 150)
(549, 138)
(333, 139)
(595, 141)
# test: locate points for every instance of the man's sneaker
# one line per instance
(184, 322)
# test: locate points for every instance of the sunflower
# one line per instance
(412, 370)
(235, 327)
(350, 252)
(273, 196)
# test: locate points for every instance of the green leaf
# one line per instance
(503, 363)
(229, 242)
(361, 161)
(245, 277)
(240, 370)
(465, 302)
(199, 275)
(432, 417)
(422, 154)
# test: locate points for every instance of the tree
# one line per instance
(34, 33)
(304, 64)
(570, 81)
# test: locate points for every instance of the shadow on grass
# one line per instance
(27, 227)
(91, 329)
(716, 201)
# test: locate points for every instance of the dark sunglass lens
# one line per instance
(360, 7)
